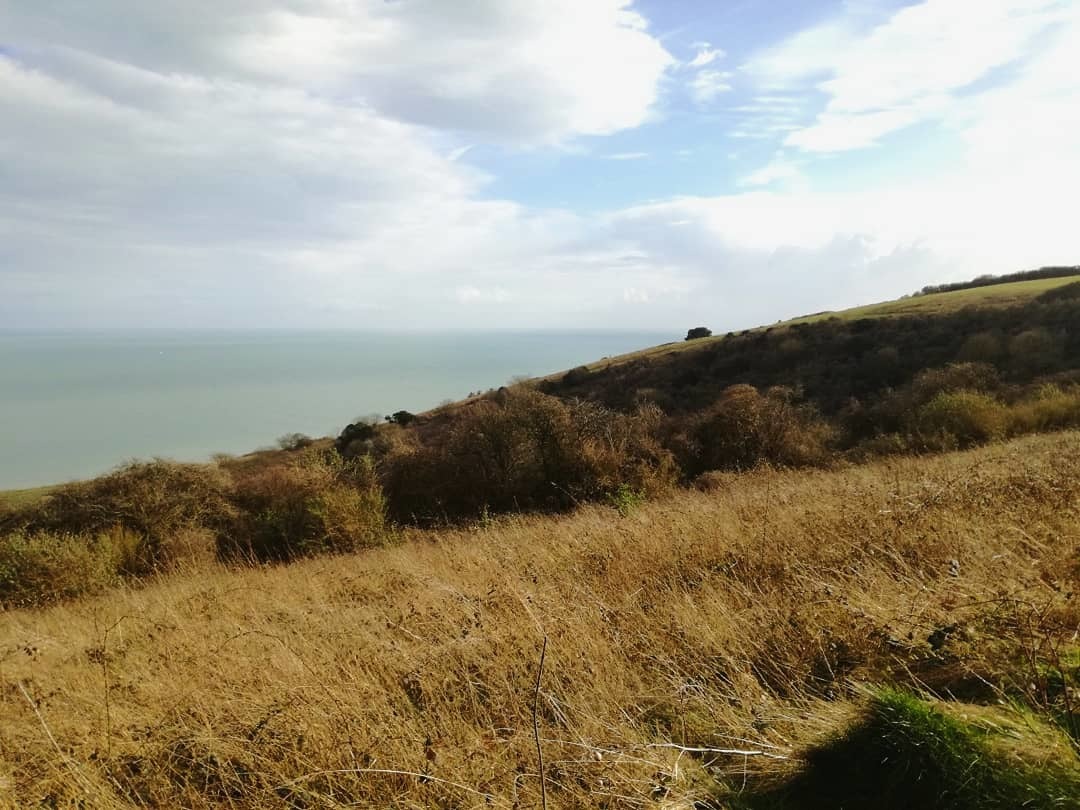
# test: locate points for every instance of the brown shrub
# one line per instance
(525, 450)
(155, 500)
(954, 377)
(1051, 408)
(320, 503)
(745, 428)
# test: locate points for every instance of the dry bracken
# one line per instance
(696, 646)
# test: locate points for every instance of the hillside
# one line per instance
(742, 569)
(935, 376)
(710, 650)
(949, 302)
(971, 325)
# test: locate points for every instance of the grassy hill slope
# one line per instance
(709, 650)
(944, 303)
(768, 577)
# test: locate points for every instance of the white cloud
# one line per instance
(202, 173)
(780, 169)
(292, 162)
(514, 71)
(706, 55)
(708, 85)
(626, 156)
(903, 70)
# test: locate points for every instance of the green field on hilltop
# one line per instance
(17, 498)
(938, 303)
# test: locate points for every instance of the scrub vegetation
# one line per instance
(717, 649)
(827, 564)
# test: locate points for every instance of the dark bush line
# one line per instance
(835, 362)
(990, 280)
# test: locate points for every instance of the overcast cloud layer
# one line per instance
(331, 163)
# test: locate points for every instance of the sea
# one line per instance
(74, 404)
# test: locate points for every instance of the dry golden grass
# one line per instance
(749, 617)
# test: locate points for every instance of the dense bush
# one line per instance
(156, 501)
(1035, 349)
(354, 434)
(745, 428)
(43, 567)
(401, 418)
(833, 361)
(523, 450)
(960, 419)
(982, 347)
(1051, 408)
(318, 503)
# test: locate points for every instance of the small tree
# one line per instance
(698, 332)
(401, 418)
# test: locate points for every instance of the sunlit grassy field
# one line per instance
(994, 295)
(16, 498)
(702, 651)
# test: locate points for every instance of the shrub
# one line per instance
(357, 432)
(401, 418)
(698, 332)
(625, 499)
(43, 567)
(318, 504)
(526, 450)
(745, 427)
(576, 376)
(1050, 408)
(623, 450)
(1034, 350)
(954, 377)
(982, 347)
(155, 501)
(960, 419)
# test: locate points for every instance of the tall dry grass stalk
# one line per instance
(690, 642)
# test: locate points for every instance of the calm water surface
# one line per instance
(75, 404)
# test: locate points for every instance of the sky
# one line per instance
(524, 163)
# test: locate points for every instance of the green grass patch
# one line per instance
(19, 498)
(909, 753)
(996, 295)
